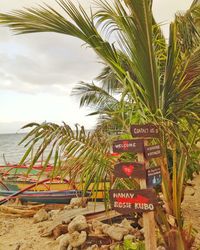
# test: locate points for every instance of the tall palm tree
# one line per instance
(158, 82)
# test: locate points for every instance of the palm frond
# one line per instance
(92, 95)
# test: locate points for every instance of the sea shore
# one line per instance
(24, 234)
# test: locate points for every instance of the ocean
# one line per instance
(9, 148)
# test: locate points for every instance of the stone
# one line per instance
(117, 232)
(77, 239)
(64, 242)
(59, 230)
(93, 247)
(161, 248)
(130, 237)
(105, 228)
(60, 237)
(40, 216)
(79, 223)
(53, 213)
(79, 201)
(127, 224)
(97, 226)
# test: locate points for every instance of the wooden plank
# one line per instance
(135, 146)
(153, 151)
(130, 170)
(128, 201)
(145, 131)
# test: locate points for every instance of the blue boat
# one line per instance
(45, 197)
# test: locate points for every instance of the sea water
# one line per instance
(10, 150)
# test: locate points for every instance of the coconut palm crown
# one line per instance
(146, 79)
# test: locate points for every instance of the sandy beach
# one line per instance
(24, 234)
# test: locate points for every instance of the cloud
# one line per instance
(45, 60)
(29, 63)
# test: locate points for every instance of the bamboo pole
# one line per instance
(148, 217)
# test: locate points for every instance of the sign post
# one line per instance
(147, 131)
(148, 218)
(143, 200)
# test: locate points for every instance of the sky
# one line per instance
(38, 71)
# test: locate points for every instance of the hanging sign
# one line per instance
(154, 177)
(135, 146)
(145, 131)
(130, 170)
(152, 151)
(129, 201)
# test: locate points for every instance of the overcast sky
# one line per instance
(38, 71)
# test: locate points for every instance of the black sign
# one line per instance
(148, 130)
(129, 201)
(152, 151)
(154, 177)
(135, 146)
(130, 170)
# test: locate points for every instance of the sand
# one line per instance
(23, 234)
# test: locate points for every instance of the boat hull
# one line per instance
(57, 186)
(46, 197)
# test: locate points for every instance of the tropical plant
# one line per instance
(152, 80)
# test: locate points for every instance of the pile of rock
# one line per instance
(83, 235)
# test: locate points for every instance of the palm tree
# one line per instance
(157, 82)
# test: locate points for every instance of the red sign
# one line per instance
(129, 201)
(135, 146)
(151, 152)
(130, 170)
(148, 130)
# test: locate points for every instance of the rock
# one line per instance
(93, 247)
(60, 237)
(69, 247)
(105, 228)
(117, 232)
(59, 230)
(127, 224)
(64, 242)
(97, 226)
(79, 223)
(40, 216)
(79, 201)
(77, 239)
(53, 213)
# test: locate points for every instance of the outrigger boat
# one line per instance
(14, 178)
(45, 197)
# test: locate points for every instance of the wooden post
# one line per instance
(148, 217)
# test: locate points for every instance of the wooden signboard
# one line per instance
(154, 177)
(130, 170)
(135, 146)
(151, 152)
(129, 201)
(145, 131)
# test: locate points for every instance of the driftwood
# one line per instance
(17, 211)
